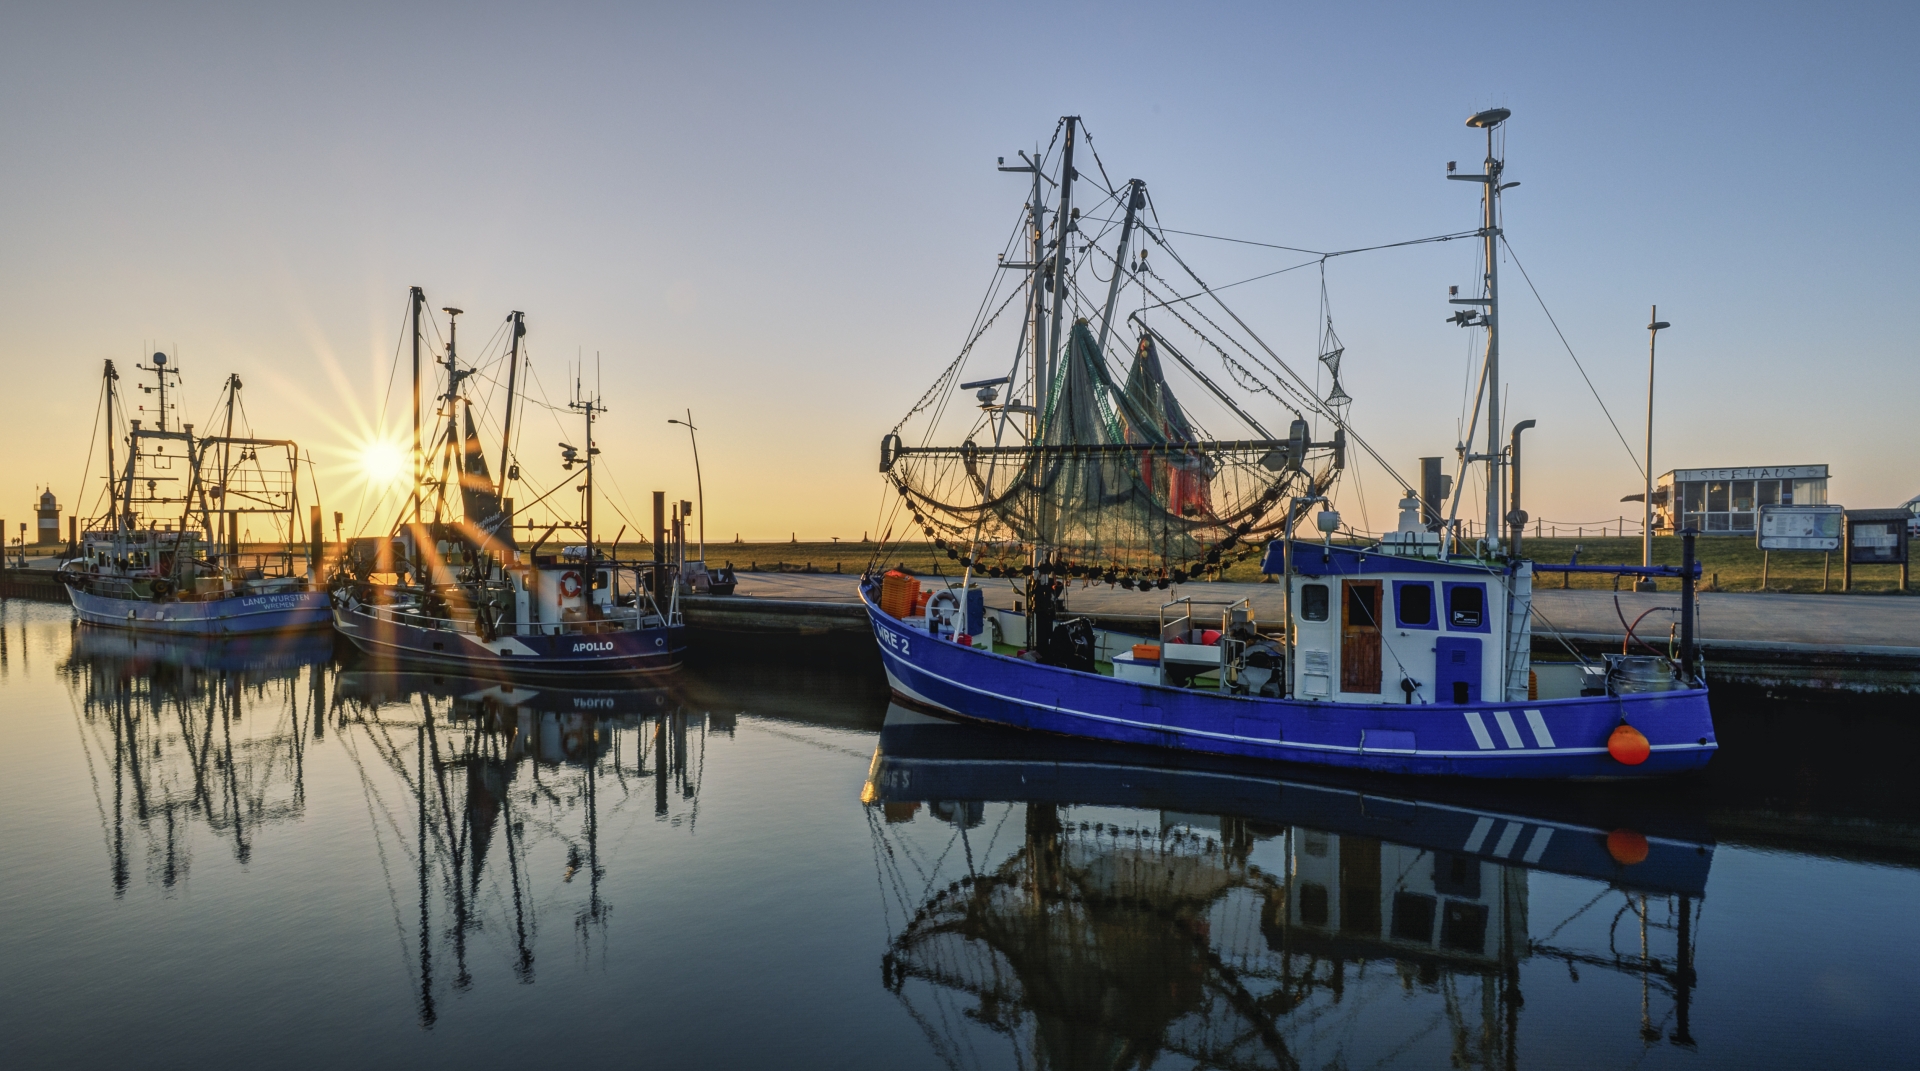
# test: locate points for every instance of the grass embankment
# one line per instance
(1729, 563)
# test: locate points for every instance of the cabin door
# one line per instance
(1360, 636)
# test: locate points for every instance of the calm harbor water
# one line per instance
(218, 856)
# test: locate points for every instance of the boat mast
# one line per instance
(1063, 227)
(417, 299)
(1490, 316)
(454, 452)
(589, 405)
(228, 519)
(513, 371)
(113, 480)
(1136, 200)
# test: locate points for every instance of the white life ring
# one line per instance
(570, 585)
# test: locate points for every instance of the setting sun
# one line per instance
(382, 464)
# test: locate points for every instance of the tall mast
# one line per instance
(1063, 227)
(227, 517)
(160, 376)
(513, 371)
(453, 453)
(1490, 315)
(418, 299)
(590, 405)
(1136, 200)
(113, 478)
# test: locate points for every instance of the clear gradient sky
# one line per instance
(783, 215)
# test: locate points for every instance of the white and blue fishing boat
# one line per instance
(167, 554)
(1407, 653)
(450, 584)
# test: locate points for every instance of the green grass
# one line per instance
(1730, 563)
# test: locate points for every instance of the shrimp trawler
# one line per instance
(167, 554)
(450, 584)
(1409, 652)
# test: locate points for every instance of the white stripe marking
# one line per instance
(1481, 827)
(1538, 846)
(1539, 726)
(1507, 730)
(1507, 837)
(1479, 728)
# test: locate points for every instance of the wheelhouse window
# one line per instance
(1466, 606)
(1313, 602)
(1413, 603)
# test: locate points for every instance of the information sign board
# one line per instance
(1801, 527)
(1876, 536)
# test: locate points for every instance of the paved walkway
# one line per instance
(1849, 621)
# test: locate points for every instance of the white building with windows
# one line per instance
(1727, 501)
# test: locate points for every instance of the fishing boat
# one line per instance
(167, 553)
(450, 584)
(1408, 652)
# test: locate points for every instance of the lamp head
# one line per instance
(1658, 325)
(1492, 117)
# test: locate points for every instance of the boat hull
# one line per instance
(1546, 739)
(240, 615)
(632, 651)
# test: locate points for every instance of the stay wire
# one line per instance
(1638, 467)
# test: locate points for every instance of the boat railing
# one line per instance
(624, 619)
(1235, 615)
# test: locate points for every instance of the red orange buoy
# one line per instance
(1627, 847)
(1628, 746)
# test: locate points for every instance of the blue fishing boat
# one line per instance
(1408, 652)
(167, 555)
(450, 584)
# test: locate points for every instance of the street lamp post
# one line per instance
(1654, 326)
(699, 491)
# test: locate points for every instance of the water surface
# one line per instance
(219, 856)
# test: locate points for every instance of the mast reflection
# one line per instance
(495, 793)
(1096, 910)
(186, 734)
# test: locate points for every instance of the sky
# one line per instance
(781, 218)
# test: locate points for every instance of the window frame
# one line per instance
(1486, 611)
(1326, 604)
(1433, 608)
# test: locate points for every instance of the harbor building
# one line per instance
(49, 511)
(1727, 501)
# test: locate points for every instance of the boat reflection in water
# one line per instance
(194, 731)
(1096, 908)
(491, 794)
(502, 782)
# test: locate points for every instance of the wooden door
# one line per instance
(1360, 636)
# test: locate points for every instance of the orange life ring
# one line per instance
(570, 585)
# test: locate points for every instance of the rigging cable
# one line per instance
(1642, 469)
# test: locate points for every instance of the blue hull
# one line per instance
(241, 615)
(1553, 739)
(646, 650)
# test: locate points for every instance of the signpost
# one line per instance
(1799, 528)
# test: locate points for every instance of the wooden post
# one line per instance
(660, 548)
(1766, 557)
(1826, 572)
(1846, 556)
(316, 538)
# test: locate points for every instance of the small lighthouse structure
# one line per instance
(49, 511)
